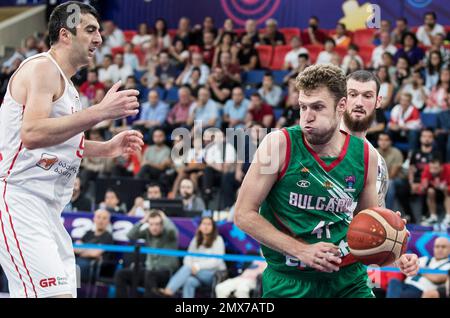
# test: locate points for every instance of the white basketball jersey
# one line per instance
(382, 178)
(48, 173)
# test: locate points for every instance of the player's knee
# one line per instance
(431, 192)
(430, 294)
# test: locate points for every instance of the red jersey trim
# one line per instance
(366, 160)
(341, 157)
(288, 154)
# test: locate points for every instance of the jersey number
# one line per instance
(81, 148)
(318, 230)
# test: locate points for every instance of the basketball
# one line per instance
(377, 236)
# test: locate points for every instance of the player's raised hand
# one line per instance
(119, 104)
(126, 142)
(321, 256)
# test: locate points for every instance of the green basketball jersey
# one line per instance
(314, 198)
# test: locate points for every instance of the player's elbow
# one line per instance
(29, 139)
(239, 218)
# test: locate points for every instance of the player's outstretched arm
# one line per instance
(262, 175)
(38, 130)
(126, 142)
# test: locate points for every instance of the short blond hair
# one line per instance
(323, 75)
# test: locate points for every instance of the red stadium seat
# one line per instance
(365, 51)
(239, 32)
(341, 51)
(363, 36)
(172, 33)
(314, 50)
(140, 55)
(414, 29)
(129, 34)
(278, 56)
(117, 50)
(265, 53)
(289, 33)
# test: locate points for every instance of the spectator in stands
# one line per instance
(291, 112)
(411, 51)
(414, 287)
(247, 57)
(208, 48)
(386, 87)
(142, 36)
(352, 54)
(438, 45)
(260, 112)
(191, 201)
(438, 98)
(30, 47)
(123, 70)
(98, 235)
(385, 46)
(385, 26)
(228, 27)
(161, 35)
(219, 85)
(165, 72)
(111, 203)
(78, 201)
(388, 61)
(200, 30)
(303, 62)
(108, 70)
(443, 130)
(92, 168)
(394, 161)
(326, 55)
(403, 71)
(256, 132)
(225, 44)
(271, 93)
(314, 34)
(435, 184)
(153, 113)
(235, 110)
(158, 231)
(353, 66)
(220, 159)
(179, 54)
(241, 286)
(139, 208)
(291, 58)
(441, 248)
(153, 192)
(156, 158)
(405, 123)
(90, 87)
(194, 82)
(272, 36)
(341, 37)
(150, 51)
(113, 35)
(415, 87)
(433, 69)
(179, 114)
(197, 61)
(429, 29)
(197, 271)
(231, 71)
(401, 27)
(205, 110)
(100, 53)
(126, 165)
(251, 31)
(129, 57)
(378, 126)
(183, 32)
(409, 189)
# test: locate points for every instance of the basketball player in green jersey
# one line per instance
(299, 193)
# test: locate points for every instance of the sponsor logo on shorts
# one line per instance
(303, 184)
(53, 281)
(47, 161)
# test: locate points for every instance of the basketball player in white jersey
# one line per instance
(42, 143)
(362, 102)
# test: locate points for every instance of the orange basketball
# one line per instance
(377, 236)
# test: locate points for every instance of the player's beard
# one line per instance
(358, 125)
(321, 137)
